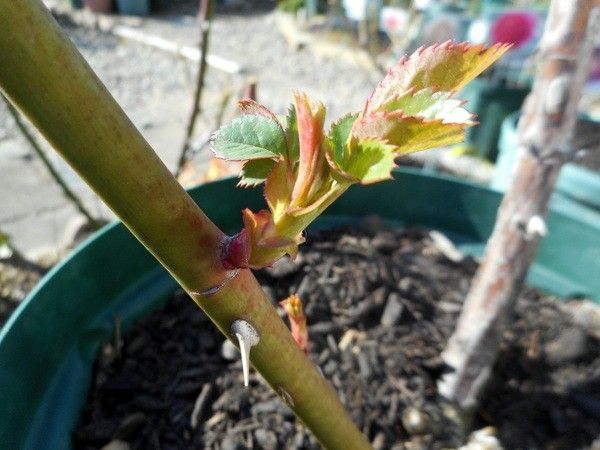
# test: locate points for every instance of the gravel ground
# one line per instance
(254, 41)
(148, 82)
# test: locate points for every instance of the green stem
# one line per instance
(290, 226)
(45, 76)
(53, 172)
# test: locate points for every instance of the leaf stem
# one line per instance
(290, 226)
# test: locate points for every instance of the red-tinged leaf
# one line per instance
(250, 107)
(310, 118)
(265, 243)
(430, 104)
(257, 224)
(293, 308)
(407, 133)
(444, 67)
(291, 136)
(278, 188)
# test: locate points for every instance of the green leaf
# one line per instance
(255, 172)
(444, 67)
(408, 133)
(430, 104)
(249, 137)
(278, 188)
(251, 107)
(338, 137)
(291, 135)
(371, 161)
(311, 171)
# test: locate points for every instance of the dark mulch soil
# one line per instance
(381, 305)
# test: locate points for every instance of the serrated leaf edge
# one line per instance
(400, 115)
(213, 137)
(465, 46)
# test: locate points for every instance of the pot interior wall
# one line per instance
(48, 346)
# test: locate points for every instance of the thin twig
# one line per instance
(250, 89)
(53, 172)
(225, 98)
(204, 18)
(200, 403)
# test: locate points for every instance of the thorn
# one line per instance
(247, 337)
(536, 227)
(245, 357)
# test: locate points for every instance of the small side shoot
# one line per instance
(305, 168)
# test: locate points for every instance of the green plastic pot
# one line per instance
(576, 185)
(48, 346)
(492, 103)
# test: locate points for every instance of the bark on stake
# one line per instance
(545, 135)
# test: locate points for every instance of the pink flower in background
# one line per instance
(515, 28)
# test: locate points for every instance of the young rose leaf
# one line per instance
(293, 308)
(249, 137)
(310, 118)
(430, 104)
(371, 161)
(250, 107)
(278, 188)
(338, 138)
(408, 133)
(291, 135)
(416, 121)
(260, 233)
(255, 172)
(445, 67)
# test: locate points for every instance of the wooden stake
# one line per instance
(545, 136)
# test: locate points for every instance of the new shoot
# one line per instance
(305, 168)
